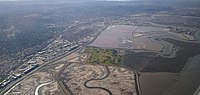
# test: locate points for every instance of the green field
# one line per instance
(103, 56)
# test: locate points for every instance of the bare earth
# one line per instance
(99, 80)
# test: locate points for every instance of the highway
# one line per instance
(10, 86)
(62, 85)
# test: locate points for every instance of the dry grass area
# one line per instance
(28, 86)
(119, 81)
(39, 83)
(79, 58)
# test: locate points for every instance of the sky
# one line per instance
(67, 0)
(91, 0)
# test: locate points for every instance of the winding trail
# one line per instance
(93, 79)
(41, 85)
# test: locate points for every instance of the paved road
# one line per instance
(41, 85)
(25, 76)
(93, 79)
(11, 88)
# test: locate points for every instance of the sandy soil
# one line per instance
(39, 83)
(119, 81)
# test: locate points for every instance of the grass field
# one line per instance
(103, 56)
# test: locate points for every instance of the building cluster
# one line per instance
(15, 76)
(55, 49)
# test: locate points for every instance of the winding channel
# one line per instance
(93, 79)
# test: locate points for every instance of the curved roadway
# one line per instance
(41, 85)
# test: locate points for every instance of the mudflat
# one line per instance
(156, 83)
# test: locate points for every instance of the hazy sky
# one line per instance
(97, 0)
(66, 0)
